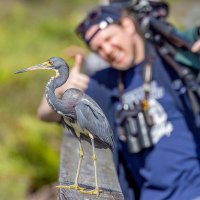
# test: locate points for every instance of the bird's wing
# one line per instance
(92, 118)
(66, 127)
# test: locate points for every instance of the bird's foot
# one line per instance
(74, 187)
(96, 191)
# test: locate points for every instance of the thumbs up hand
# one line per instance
(76, 78)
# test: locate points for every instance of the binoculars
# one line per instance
(134, 126)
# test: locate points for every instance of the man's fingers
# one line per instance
(81, 79)
(196, 47)
(79, 86)
(81, 83)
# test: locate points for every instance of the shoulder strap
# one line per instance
(163, 77)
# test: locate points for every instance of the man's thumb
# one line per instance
(78, 62)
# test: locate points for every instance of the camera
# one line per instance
(134, 127)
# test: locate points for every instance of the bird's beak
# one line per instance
(44, 65)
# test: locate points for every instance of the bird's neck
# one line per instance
(61, 77)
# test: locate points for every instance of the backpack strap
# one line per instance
(159, 72)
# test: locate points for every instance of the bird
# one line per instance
(79, 113)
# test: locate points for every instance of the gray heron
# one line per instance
(80, 113)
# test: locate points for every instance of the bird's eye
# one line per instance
(50, 63)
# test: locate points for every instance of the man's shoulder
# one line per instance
(106, 77)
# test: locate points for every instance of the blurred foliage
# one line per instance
(31, 32)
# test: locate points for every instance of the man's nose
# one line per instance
(107, 48)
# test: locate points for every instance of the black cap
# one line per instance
(103, 16)
(122, 3)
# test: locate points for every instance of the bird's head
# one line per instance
(53, 63)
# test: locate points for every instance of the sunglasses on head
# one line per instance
(102, 16)
(90, 19)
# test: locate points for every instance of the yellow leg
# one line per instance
(96, 190)
(75, 186)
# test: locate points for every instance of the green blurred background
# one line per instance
(31, 32)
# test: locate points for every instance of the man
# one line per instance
(169, 168)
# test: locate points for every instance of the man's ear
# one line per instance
(128, 25)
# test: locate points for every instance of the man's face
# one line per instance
(115, 44)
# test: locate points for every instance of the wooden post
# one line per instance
(107, 178)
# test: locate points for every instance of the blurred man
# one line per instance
(165, 165)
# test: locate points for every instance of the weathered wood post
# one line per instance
(107, 177)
